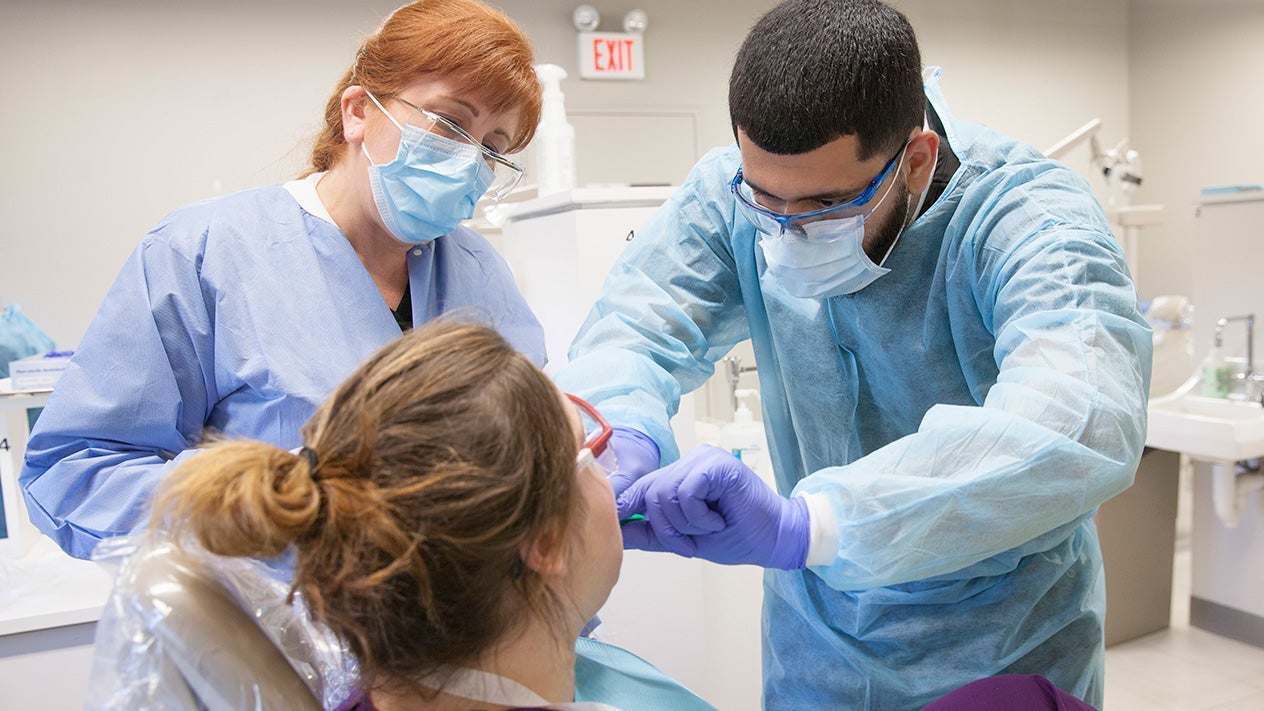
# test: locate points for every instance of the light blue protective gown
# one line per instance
(965, 415)
(236, 315)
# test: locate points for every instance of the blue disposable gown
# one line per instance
(964, 415)
(236, 315)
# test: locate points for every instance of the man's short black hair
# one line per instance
(812, 71)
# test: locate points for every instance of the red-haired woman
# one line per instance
(240, 314)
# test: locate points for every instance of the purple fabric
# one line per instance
(1012, 692)
(359, 701)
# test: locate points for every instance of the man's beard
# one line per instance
(890, 231)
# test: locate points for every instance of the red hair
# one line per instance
(475, 44)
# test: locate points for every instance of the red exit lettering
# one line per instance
(612, 55)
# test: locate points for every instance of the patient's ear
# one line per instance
(546, 554)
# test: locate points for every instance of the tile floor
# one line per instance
(1184, 667)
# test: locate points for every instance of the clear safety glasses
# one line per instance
(596, 438)
(507, 172)
(774, 222)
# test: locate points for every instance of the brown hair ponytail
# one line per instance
(241, 499)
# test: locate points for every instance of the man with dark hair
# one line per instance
(952, 363)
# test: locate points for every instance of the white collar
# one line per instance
(478, 685)
(304, 192)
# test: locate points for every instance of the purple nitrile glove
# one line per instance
(710, 505)
(637, 456)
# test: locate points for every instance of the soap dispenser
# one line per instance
(554, 142)
(1216, 369)
(744, 438)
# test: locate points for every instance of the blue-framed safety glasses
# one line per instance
(773, 222)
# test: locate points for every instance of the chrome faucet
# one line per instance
(734, 368)
(1252, 384)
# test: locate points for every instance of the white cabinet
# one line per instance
(49, 602)
(1227, 276)
(561, 246)
(17, 533)
(1228, 279)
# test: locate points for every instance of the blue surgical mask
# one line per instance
(825, 258)
(821, 259)
(431, 186)
(817, 260)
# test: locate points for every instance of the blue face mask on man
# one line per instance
(826, 257)
(431, 186)
(817, 260)
(819, 254)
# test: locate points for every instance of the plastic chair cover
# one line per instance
(185, 629)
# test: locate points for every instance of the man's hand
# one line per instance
(710, 505)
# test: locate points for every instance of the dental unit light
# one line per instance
(1121, 168)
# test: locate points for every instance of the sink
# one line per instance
(1206, 427)
(1219, 431)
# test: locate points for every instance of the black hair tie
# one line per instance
(310, 455)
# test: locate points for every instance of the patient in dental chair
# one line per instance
(450, 519)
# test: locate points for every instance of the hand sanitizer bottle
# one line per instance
(554, 142)
(1215, 372)
(744, 437)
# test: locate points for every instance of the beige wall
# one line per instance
(119, 112)
(1195, 77)
(1033, 69)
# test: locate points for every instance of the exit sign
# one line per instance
(611, 55)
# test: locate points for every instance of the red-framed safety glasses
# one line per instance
(596, 436)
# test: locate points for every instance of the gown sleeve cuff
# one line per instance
(823, 530)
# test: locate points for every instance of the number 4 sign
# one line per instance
(19, 532)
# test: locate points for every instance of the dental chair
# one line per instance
(188, 630)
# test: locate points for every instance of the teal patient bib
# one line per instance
(615, 676)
